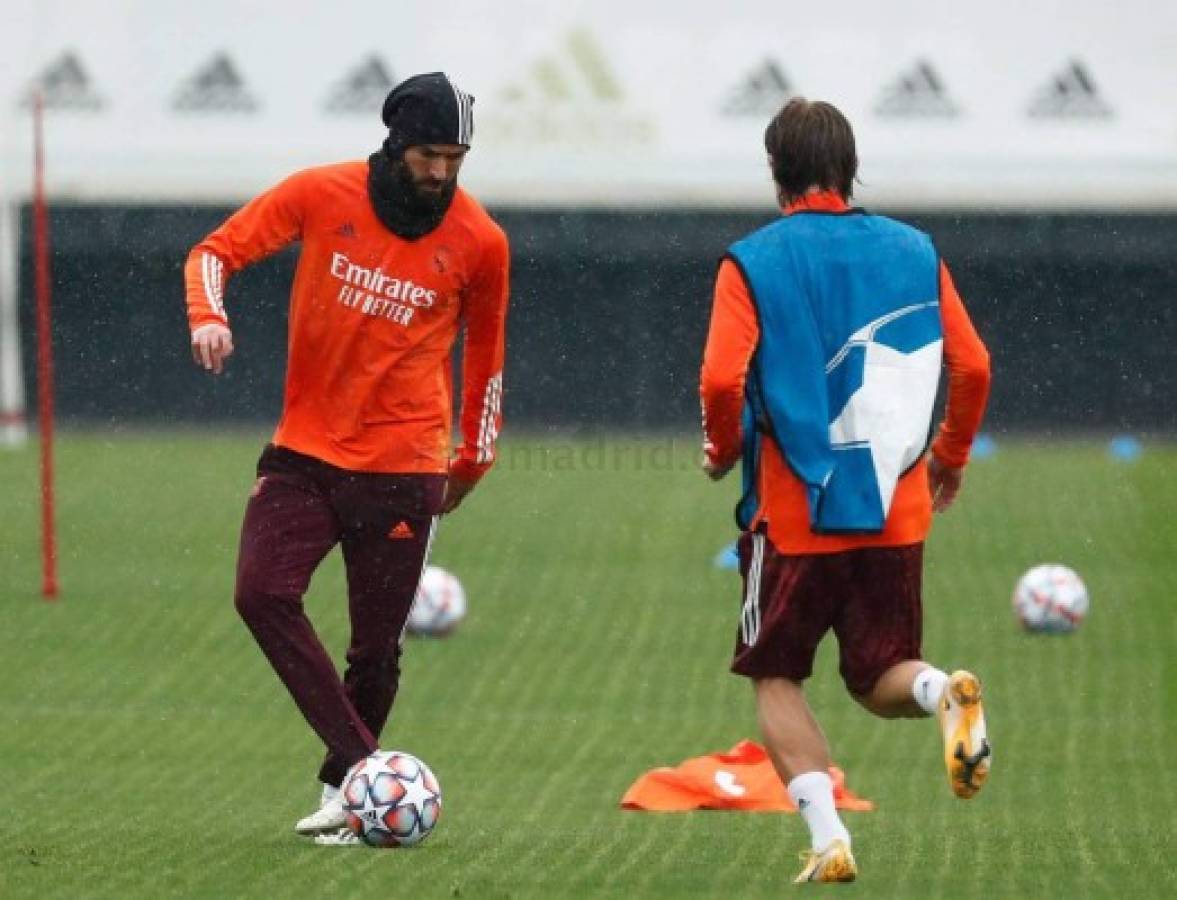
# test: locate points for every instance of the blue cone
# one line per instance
(1125, 448)
(984, 447)
(727, 558)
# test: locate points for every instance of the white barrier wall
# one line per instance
(610, 102)
(1007, 104)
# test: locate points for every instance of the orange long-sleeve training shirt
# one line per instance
(731, 342)
(373, 318)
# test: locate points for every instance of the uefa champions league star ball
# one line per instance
(1050, 599)
(440, 604)
(391, 799)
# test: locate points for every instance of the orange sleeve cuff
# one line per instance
(468, 470)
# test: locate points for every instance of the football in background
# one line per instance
(440, 604)
(1050, 599)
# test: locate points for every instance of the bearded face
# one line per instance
(427, 175)
(411, 189)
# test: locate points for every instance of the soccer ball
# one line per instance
(1051, 599)
(391, 799)
(440, 604)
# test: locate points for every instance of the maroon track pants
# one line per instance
(298, 510)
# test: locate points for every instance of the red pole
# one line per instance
(44, 355)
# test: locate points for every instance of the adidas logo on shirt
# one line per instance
(1071, 94)
(64, 85)
(361, 90)
(216, 87)
(763, 92)
(918, 93)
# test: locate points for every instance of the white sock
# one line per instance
(813, 792)
(927, 688)
(330, 794)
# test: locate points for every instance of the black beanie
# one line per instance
(427, 109)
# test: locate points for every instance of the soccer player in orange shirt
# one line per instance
(396, 259)
(828, 332)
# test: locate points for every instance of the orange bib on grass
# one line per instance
(743, 778)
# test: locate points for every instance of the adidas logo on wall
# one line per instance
(362, 90)
(579, 73)
(918, 93)
(571, 96)
(1071, 94)
(216, 87)
(64, 85)
(762, 93)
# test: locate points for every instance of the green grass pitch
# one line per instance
(146, 749)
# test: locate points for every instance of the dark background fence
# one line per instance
(609, 312)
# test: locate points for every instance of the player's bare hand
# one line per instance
(456, 490)
(944, 483)
(212, 344)
(713, 470)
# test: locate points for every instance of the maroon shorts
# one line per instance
(870, 597)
